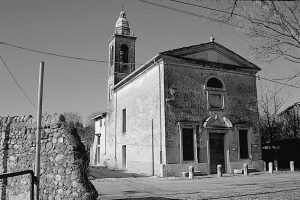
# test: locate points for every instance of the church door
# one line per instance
(216, 143)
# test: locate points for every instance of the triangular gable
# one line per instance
(212, 52)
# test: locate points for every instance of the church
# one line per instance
(191, 106)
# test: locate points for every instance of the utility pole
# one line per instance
(38, 131)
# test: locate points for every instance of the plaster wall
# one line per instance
(141, 98)
(190, 104)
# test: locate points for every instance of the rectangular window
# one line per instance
(215, 100)
(124, 120)
(110, 93)
(243, 137)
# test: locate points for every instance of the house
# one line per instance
(194, 105)
(95, 150)
(291, 121)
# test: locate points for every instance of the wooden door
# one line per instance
(216, 143)
(188, 144)
(123, 157)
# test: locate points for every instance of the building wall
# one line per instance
(141, 98)
(63, 159)
(190, 105)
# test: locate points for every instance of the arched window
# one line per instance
(215, 94)
(124, 59)
(111, 55)
(214, 83)
(124, 53)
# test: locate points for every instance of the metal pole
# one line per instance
(152, 138)
(38, 131)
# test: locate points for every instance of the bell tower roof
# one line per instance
(122, 25)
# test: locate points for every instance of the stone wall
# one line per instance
(64, 161)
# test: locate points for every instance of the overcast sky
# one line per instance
(82, 29)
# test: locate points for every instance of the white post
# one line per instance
(292, 166)
(191, 172)
(265, 166)
(38, 131)
(245, 166)
(270, 167)
(219, 170)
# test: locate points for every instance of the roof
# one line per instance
(289, 108)
(100, 116)
(181, 53)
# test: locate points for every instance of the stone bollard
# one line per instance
(265, 166)
(276, 165)
(163, 170)
(219, 170)
(270, 167)
(292, 166)
(245, 167)
(191, 172)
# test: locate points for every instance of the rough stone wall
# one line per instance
(64, 161)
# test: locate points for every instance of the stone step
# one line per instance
(241, 171)
(196, 173)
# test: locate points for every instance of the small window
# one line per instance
(243, 137)
(124, 120)
(111, 55)
(110, 93)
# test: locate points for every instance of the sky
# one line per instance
(82, 28)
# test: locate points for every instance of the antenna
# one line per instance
(123, 6)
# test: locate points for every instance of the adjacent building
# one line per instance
(194, 105)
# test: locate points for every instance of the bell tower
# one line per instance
(121, 51)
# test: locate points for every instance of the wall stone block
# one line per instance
(63, 164)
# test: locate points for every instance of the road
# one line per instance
(280, 185)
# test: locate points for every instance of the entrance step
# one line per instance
(241, 171)
(196, 173)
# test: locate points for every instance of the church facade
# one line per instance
(192, 106)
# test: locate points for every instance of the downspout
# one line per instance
(116, 128)
(160, 131)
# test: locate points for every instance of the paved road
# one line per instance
(281, 185)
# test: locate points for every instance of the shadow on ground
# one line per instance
(104, 172)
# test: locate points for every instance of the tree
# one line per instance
(73, 119)
(272, 26)
(270, 125)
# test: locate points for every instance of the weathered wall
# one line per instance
(190, 102)
(63, 159)
(141, 99)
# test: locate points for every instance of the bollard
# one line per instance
(270, 167)
(245, 166)
(292, 166)
(191, 172)
(219, 170)
(265, 166)
(276, 165)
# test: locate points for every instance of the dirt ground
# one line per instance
(112, 184)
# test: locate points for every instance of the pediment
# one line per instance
(212, 52)
(212, 56)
